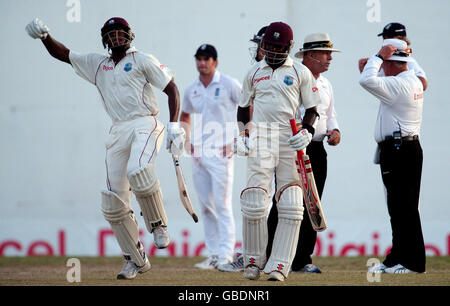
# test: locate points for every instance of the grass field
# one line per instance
(166, 271)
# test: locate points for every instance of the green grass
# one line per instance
(168, 271)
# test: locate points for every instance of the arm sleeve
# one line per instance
(309, 93)
(186, 106)
(413, 65)
(157, 74)
(86, 65)
(384, 88)
(248, 92)
(331, 112)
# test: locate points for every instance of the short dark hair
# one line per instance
(206, 50)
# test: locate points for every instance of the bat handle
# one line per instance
(295, 131)
(293, 125)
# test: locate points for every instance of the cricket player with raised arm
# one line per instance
(276, 87)
(125, 79)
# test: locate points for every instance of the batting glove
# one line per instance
(300, 140)
(241, 145)
(37, 29)
(176, 136)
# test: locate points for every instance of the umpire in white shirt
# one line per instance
(400, 155)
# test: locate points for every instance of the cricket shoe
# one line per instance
(398, 269)
(276, 276)
(309, 268)
(235, 266)
(252, 272)
(209, 263)
(161, 237)
(379, 268)
(130, 270)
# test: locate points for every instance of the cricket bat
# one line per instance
(184, 196)
(310, 194)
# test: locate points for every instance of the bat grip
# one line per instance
(295, 131)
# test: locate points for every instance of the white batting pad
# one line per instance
(290, 216)
(145, 186)
(254, 203)
(124, 225)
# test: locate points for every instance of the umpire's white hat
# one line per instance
(402, 53)
(316, 41)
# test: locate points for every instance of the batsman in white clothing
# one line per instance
(276, 87)
(212, 102)
(125, 79)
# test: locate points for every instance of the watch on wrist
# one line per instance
(379, 56)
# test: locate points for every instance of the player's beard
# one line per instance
(117, 53)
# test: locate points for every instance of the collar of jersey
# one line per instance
(216, 78)
(288, 62)
(130, 50)
(409, 71)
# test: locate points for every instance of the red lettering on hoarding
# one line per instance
(101, 240)
(388, 251)
(325, 246)
(199, 249)
(360, 249)
(375, 249)
(448, 245)
(38, 247)
(10, 243)
(432, 248)
(38, 244)
(330, 246)
(238, 245)
(62, 242)
(185, 243)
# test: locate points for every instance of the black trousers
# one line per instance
(307, 237)
(401, 170)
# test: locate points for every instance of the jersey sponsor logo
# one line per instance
(267, 77)
(127, 67)
(418, 96)
(196, 94)
(107, 68)
(288, 80)
(314, 89)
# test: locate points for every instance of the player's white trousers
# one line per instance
(131, 145)
(270, 152)
(213, 180)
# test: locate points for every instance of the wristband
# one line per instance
(309, 128)
(172, 125)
